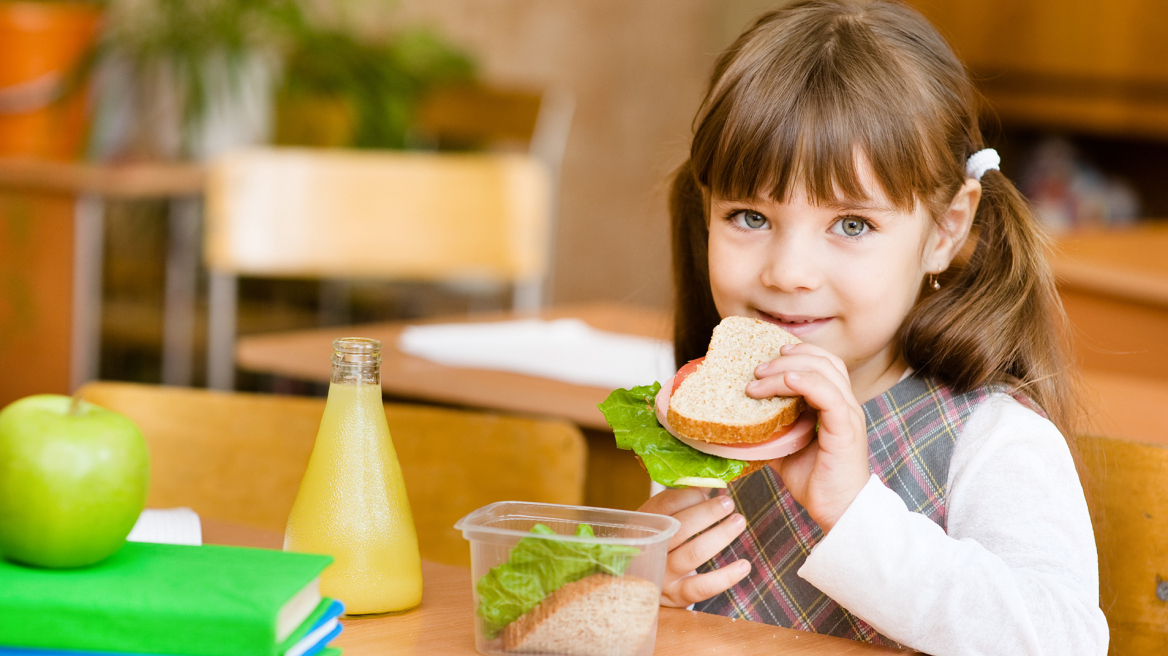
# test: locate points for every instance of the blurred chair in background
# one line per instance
(1125, 484)
(332, 214)
(239, 457)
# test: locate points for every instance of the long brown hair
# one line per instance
(789, 104)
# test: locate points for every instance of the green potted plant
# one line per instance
(341, 91)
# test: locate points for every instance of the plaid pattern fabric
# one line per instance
(912, 429)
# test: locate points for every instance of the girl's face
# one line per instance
(842, 277)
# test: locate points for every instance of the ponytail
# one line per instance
(998, 317)
(694, 314)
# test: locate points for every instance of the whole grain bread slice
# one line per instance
(599, 614)
(711, 403)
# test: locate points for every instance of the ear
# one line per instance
(953, 228)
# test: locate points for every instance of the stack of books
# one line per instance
(171, 600)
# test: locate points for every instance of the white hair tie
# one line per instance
(982, 161)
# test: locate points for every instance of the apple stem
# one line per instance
(75, 406)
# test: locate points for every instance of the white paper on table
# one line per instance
(168, 526)
(564, 349)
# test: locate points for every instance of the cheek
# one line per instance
(880, 287)
(730, 273)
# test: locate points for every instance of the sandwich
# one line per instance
(562, 597)
(700, 428)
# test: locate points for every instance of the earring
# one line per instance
(933, 282)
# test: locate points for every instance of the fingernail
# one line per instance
(737, 521)
(742, 567)
(726, 502)
(761, 369)
(793, 376)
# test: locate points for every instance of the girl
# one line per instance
(838, 186)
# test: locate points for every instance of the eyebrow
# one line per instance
(859, 207)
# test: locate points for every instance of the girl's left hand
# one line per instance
(826, 475)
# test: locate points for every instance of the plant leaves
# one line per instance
(631, 414)
(539, 566)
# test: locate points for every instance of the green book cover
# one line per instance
(157, 598)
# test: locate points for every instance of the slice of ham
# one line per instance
(783, 442)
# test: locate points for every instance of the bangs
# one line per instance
(809, 118)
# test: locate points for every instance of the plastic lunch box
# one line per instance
(613, 618)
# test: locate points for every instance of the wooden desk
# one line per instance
(1114, 286)
(305, 355)
(444, 623)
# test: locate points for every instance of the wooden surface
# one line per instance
(1114, 286)
(1125, 263)
(444, 623)
(1124, 482)
(153, 180)
(305, 355)
(204, 447)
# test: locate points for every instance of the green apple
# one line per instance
(73, 481)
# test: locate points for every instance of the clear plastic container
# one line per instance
(562, 593)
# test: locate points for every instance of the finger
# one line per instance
(811, 349)
(770, 383)
(688, 556)
(700, 587)
(836, 416)
(672, 500)
(696, 519)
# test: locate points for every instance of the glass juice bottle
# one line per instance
(352, 502)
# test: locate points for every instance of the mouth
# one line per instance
(797, 325)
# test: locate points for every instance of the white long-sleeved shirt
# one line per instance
(1015, 573)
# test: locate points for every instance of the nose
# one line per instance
(793, 264)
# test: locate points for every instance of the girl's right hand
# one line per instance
(718, 527)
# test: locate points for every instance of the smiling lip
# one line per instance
(797, 325)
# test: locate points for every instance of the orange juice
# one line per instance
(352, 503)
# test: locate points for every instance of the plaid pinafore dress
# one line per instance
(912, 429)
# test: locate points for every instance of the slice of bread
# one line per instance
(599, 614)
(711, 404)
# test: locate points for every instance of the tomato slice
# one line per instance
(688, 369)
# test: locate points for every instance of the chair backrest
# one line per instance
(298, 212)
(1127, 489)
(239, 457)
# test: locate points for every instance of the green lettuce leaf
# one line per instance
(633, 419)
(538, 567)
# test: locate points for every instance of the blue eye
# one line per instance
(750, 220)
(851, 226)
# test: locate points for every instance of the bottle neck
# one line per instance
(356, 361)
(352, 373)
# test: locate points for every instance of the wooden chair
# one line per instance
(239, 457)
(332, 214)
(1127, 490)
